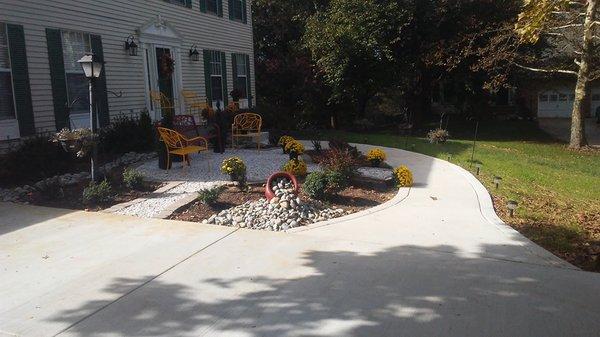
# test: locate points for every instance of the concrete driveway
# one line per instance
(435, 261)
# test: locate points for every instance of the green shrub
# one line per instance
(128, 134)
(209, 196)
(319, 185)
(35, 159)
(133, 179)
(97, 193)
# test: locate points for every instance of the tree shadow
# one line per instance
(401, 291)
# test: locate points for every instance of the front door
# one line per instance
(162, 75)
(165, 73)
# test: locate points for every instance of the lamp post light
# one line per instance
(92, 67)
(497, 181)
(512, 206)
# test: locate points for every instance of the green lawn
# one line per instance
(558, 190)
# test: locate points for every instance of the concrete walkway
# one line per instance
(435, 261)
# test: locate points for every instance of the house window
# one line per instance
(553, 98)
(571, 97)
(543, 98)
(75, 45)
(211, 6)
(216, 76)
(241, 81)
(7, 102)
(237, 11)
(596, 97)
(562, 97)
(177, 2)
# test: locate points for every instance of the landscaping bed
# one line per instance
(71, 196)
(363, 193)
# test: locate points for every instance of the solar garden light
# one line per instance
(449, 157)
(92, 67)
(412, 146)
(512, 206)
(478, 167)
(497, 181)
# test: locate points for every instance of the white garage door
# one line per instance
(555, 103)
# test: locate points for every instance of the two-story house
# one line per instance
(202, 46)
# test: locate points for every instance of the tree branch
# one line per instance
(572, 25)
(547, 71)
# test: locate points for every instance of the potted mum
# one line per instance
(283, 142)
(294, 149)
(376, 157)
(236, 169)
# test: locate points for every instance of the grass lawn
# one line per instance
(558, 190)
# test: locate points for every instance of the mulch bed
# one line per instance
(70, 197)
(363, 194)
(583, 248)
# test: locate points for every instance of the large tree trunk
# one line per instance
(583, 77)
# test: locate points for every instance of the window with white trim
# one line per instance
(75, 45)
(241, 82)
(216, 76)
(7, 101)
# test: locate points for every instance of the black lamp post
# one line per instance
(92, 67)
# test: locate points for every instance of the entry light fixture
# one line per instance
(194, 54)
(130, 46)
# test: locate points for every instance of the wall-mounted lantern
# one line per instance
(194, 54)
(130, 46)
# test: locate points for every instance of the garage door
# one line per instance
(555, 103)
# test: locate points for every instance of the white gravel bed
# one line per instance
(153, 206)
(206, 166)
(375, 172)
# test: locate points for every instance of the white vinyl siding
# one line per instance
(114, 20)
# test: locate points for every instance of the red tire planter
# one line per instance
(269, 194)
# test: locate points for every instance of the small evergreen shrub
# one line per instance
(97, 193)
(209, 196)
(321, 184)
(296, 167)
(133, 179)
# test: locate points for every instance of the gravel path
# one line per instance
(375, 172)
(205, 172)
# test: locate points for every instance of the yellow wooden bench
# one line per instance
(178, 144)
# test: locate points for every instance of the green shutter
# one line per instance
(224, 79)
(230, 8)
(100, 94)
(203, 6)
(57, 78)
(219, 8)
(188, 3)
(234, 70)
(20, 78)
(248, 81)
(244, 12)
(207, 76)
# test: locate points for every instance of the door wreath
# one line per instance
(167, 65)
